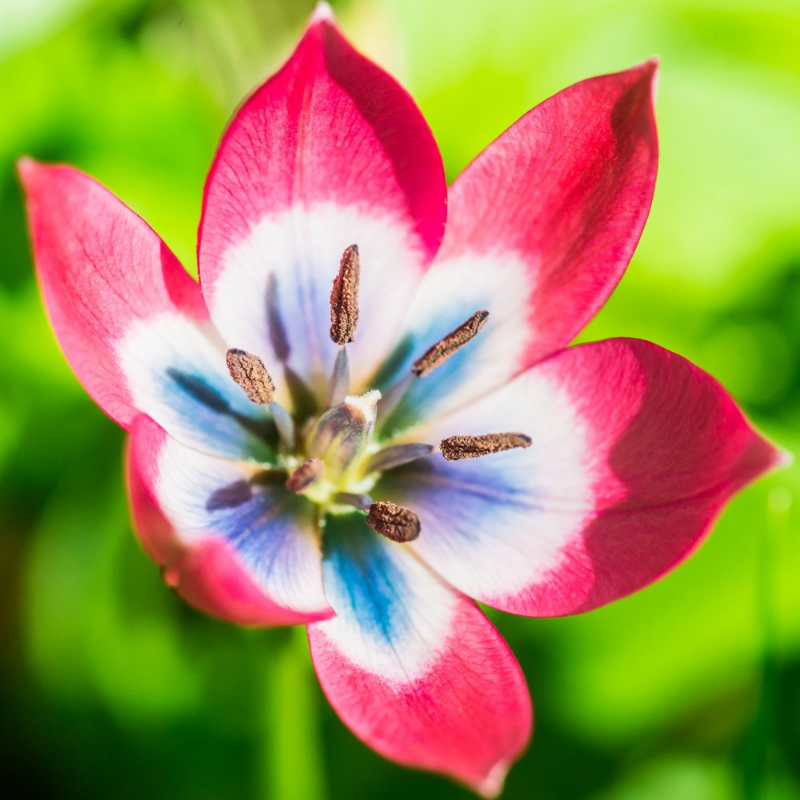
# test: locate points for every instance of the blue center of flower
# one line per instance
(330, 456)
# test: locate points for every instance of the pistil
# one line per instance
(341, 435)
(455, 448)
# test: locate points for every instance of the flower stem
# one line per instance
(291, 754)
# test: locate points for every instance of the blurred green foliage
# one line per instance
(111, 687)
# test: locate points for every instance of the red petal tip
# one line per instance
(645, 71)
(783, 458)
(322, 13)
(778, 457)
(649, 72)
(25, 164)
(31, 171)
(492, 785)
(28, 168)
(640, 80)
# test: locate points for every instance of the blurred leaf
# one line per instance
(81, 638)
(673, 778)
(124, 691)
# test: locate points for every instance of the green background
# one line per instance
(110, 687)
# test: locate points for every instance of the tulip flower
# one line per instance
(364, 421)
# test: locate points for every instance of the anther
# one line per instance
(450, 345)
(344, 297)
(394, 522)
(306, 474)
(250, 373)
(454, 448)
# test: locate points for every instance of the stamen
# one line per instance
(360, 501)
(340, 378)
(344, 297)
(285, 425)
(394, 522)
(397, 455)
(454, 448)
(250, 373)
(306, 474)
(394, 394)
(450, 345)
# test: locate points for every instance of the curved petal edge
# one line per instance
(564, 193)
(329, 152)
(634, 453)
(102, 270)
(205, 569)
(415, 669)
(541, 227)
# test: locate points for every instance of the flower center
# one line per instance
(331, 458)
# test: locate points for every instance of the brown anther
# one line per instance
(454, 448)
(251, 374)
(344, 297)
(450, 345)
(306, 474)
(394, 522)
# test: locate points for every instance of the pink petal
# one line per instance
(131, 322)
(414, 668)
(540, 229)
(566, 192)
(100, 268)
(635, 451)
(205, 557)
(329, 152)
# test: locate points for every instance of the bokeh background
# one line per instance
(110, 687)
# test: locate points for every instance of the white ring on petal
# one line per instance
(147, 354)
(302, 248)
(286, 564)
(546, 491)
(425, 613)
